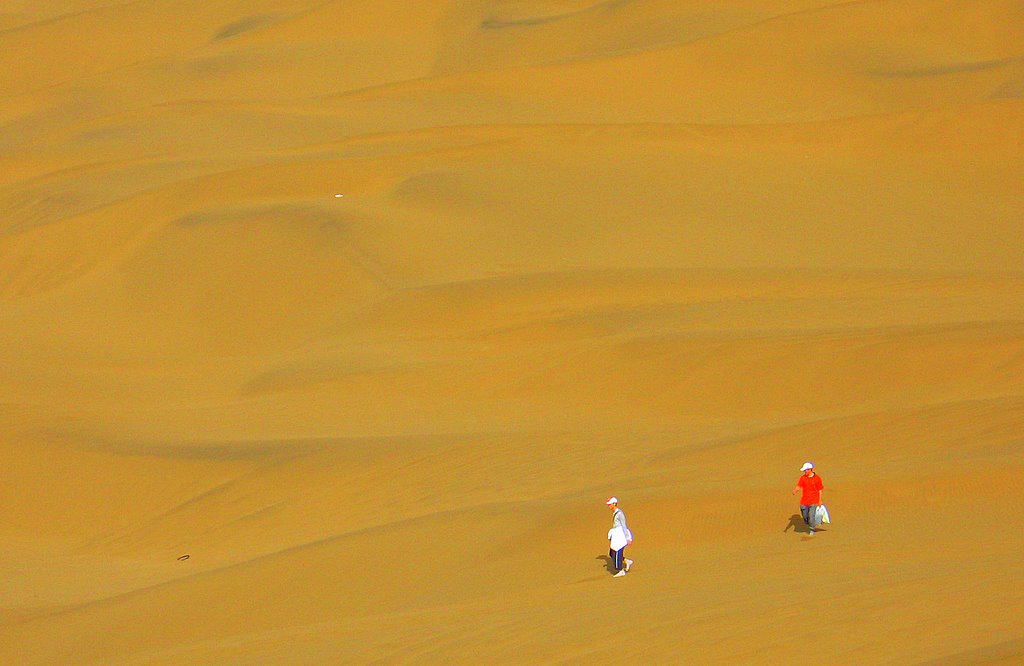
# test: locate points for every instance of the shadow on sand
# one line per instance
(797, 524)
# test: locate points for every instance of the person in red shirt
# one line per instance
(809, 486)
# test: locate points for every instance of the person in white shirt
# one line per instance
(619, 537)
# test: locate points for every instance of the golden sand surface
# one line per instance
(366, 306)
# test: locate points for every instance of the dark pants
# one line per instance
(616, 556)
(807, 512)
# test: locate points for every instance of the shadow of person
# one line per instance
(609, 564)
(796, 521)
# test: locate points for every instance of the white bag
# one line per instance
(823, 518)
(617, 538)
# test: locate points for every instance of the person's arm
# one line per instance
(796, 489)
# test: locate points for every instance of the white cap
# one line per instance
(807, 466)
(612, 500)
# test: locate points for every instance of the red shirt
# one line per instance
(811, 486)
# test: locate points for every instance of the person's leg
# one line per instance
(617, 559)
(806, 512)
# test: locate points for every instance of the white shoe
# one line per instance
(621, 573)
(629, 563)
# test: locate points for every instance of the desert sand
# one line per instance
(366, 306)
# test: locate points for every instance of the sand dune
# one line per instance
(367, 306)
